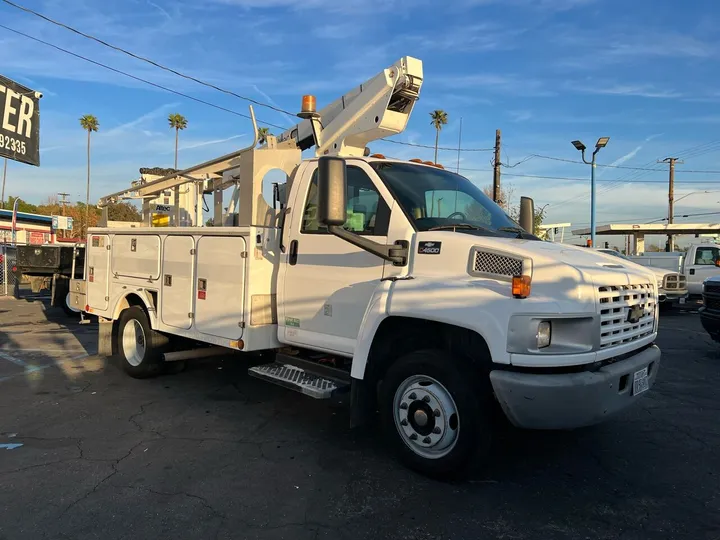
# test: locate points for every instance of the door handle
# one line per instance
(292, 255)
(692, 271)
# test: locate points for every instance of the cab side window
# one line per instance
(706, 255)
(367, 212)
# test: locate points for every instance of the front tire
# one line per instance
(140, 346)
(432, 412)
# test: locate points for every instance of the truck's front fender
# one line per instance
(480, 306)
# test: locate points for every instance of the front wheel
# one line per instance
(140, 346)
(432, 413)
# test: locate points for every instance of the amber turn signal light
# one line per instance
(521, 286)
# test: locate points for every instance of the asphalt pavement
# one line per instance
(89, 453)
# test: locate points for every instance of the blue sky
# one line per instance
(644, 73)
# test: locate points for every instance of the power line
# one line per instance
(140, 79)
(583, 179)
(432, 147)
(621, 166)
(192, 78)
(144, 59)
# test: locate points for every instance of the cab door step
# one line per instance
(304, 376)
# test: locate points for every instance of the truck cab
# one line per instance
(702, 261)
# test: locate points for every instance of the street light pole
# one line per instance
(601, 143)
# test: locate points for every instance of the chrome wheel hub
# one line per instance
(426, 416)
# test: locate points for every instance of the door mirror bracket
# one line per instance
(332, 212)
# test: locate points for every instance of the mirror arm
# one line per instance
(396, 254)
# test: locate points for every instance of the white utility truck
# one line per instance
(701, 261)
(398, 281)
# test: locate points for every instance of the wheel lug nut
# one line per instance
(403, 406)
(436, 412)
(413, 436)
(404, 423)
(426, 399)
(413, 396)
(426, 440)
(437, 430)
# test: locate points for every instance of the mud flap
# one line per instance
(105, 337)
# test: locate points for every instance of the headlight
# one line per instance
(660, 283)
(543, 335)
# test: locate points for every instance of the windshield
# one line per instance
(437, 199)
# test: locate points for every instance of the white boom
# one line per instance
(378, 108)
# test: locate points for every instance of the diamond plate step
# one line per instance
(298, 379)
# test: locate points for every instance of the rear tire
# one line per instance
(435, 413)
(140, 347)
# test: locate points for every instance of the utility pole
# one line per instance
(63, 201)
(459, 144)
(2, 196)
(496, 169)
(671, 193)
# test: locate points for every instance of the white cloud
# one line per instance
(622, 89)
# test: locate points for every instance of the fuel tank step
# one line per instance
(301, 379)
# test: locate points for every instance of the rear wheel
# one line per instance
(140, 346)
(433, 414)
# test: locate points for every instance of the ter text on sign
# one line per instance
(19, 122)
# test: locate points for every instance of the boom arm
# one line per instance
(378, 108)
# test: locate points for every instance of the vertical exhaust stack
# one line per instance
(527, 214)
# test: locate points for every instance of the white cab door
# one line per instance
(702, 267)
(328, 282)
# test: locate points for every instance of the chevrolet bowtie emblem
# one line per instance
(635, 313)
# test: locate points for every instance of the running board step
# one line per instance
(301, 380)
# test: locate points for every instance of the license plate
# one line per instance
(640, 382)
(682, 300)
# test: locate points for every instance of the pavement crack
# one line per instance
(133, 420)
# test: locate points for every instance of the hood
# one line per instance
(559, 272)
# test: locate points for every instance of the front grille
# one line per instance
(627, 313)
(712, 287)
(674, 282)
(491, 263)
(711, 303)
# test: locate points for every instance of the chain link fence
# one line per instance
(8, 279)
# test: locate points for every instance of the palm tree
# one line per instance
(263, 133)
(439, 119)
(177, 122)
(89, 123)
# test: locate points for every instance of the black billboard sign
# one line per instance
(19, 122)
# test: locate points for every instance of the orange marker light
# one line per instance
(521, 286)
(428, 163)
(308, 104)
(416, 160)
(379, 156)
(439, 166)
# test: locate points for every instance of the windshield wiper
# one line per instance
(517, 230)
(457, 226)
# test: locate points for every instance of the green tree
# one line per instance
(22, 205)
(263, 133)
(123, 211)
(439, 118)
(90, 124)
(177, 122)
